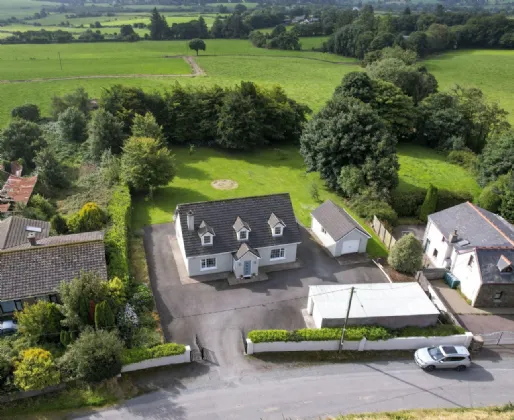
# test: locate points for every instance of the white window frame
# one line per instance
(323, 230)
(281, 253)
(204, 264)
(273, 231)
(239, 237)
(204, 242)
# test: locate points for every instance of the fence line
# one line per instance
(385, 236)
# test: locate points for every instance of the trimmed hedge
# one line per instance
(116, 238)
(353, 333)
(162, 350)
(408, 203)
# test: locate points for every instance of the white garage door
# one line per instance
(350, 246)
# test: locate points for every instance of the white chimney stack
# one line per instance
(190, 220)
(32, 238)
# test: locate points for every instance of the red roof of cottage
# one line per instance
(19, 190)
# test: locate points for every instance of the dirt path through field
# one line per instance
(196, 71)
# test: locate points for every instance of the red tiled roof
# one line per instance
(19, 189)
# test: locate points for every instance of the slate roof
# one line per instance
(28, 271)
(336, 221)
(488, 259)
(221, 216)
(243, 250)
(13, 231)
(474, 224)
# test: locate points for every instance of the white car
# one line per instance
(443, 357)
(8, 327)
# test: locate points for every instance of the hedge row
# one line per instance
(162, 350)
(116, 238)
(353, 333)
(408, 203)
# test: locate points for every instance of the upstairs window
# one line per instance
(242, 235)
(207, 239)
(471, 260)
(277, 231)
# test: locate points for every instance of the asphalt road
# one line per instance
(316, 391)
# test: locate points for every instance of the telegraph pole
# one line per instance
(341, 342)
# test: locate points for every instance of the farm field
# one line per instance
(226, 62)
(421, 166)
(489, 70)
(264, 173)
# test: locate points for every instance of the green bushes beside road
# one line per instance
(162, 350)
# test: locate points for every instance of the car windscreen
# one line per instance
(435, 353)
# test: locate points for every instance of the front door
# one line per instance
(247, 269)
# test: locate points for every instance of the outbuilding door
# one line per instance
(350, 246)
(247, 269)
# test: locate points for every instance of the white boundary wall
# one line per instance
(160, 361)
(403, 343)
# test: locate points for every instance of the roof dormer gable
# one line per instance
(276, 224)
(504, 265)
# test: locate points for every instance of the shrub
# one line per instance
(162, 350)
(367, 207)
(90, 218)
(104, 318)
(464, 158)
(128, 323)
(29, 112)
(59, 224)
(117, 292)
(116, 238)
(40, 322)
(490, 198)
(442, 330)
(95, 356)
(429, 205)
(407, 203)
(406, 256)
(35, 370)
(447, 199)
(142, 299)
(146, 337)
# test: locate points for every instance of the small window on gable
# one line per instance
(243, 235)
(435, 253)
(471, 260)
(498, 296)
(277, 231)
(207, 239)
(323, 230)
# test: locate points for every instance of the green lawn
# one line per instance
(420, 167)
(260, 173)
(489, 70)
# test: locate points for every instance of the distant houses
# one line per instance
(16, 189)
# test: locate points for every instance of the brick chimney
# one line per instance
(190, 220)
(32, 238)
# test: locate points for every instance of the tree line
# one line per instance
(352, 141)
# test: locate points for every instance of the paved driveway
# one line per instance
(217, 312)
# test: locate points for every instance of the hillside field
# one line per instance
(489, 70)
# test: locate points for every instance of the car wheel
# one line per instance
(460, 368)
(430, 368)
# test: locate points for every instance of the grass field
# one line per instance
(260, 173)
(226, 62)
(489, 70)
(420, 167)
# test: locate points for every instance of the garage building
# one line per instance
(337, 230)
(391, 305)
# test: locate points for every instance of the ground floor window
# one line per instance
(277, 253)
(208, 263)
(435, 253)
(7, 307)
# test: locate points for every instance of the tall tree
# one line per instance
(72, 125)
(197, 44)
(146, 126)
(146, 164)
(497, 158)
(79, 99)
(159, 27)
(51, 173)
(21, 139)
(347, 132)
(203, 31)
(106, 133)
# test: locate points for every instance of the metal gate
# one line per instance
(498, 338)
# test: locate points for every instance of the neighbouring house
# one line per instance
(391, 305)
(237, 235)
(477, 247)
(33, 264)
(339, 232)
(17, 189)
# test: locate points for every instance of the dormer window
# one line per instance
(277, 225)
(206, 233)
(505, 265)
(242, 229)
